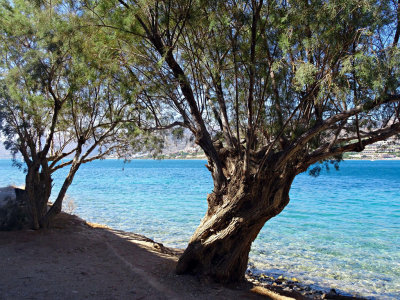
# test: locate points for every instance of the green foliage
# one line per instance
(308, 60)
(305, 74)
(316, 169)
(51, 57)
(178, 133)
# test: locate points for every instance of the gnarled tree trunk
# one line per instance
(221, 244)
(57, 206)
(38, 184)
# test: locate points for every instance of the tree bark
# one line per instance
(221, 244)
(57, 206)
(38, 185)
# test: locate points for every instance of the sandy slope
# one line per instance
(76, 261)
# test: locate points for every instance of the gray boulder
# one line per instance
(14, 213)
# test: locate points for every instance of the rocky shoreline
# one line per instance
(292, 287)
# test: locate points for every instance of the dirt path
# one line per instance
(76, 261)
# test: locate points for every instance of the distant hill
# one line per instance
(174, 148)
(182, 148)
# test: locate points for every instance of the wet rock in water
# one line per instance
(280, 280)
(13, 208)
(293, 285)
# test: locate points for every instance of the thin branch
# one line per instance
(325, 152)
(318, 128)
(169, 126)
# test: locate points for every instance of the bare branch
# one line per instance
(325, 151)
(315, 130)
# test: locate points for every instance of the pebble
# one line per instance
(291, 284)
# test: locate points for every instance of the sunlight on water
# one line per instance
(340, 230)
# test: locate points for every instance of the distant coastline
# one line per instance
(205, 158)
(373, 159)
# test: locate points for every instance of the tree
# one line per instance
(267, 89)
(59, 107)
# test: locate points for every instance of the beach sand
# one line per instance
(77, 260)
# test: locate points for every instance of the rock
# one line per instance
(14, 212)
(280, 280)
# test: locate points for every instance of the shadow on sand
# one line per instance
(78, 260)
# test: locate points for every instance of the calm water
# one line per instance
(340, 230)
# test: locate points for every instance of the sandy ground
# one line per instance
(74, 260)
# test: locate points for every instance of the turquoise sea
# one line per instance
(340, 230)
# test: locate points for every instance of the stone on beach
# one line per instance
(13, 208)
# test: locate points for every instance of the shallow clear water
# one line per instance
(341, 230)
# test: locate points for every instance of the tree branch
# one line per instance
(325, 151)
(315, 130)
